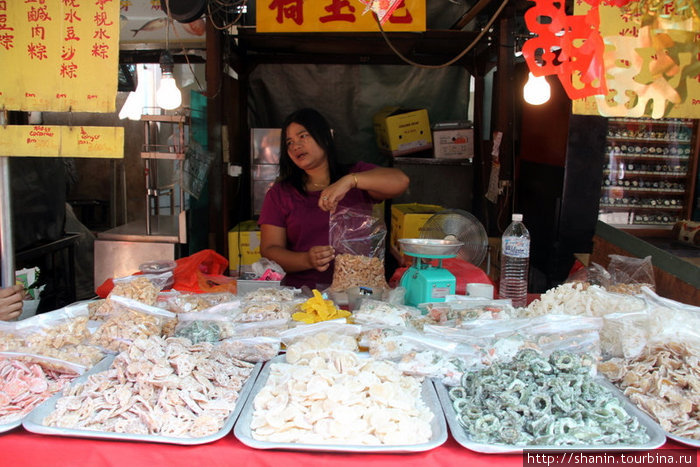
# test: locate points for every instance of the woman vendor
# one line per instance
(294, 220)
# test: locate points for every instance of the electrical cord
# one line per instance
(184, 52)
(223, 5)
(455, 59)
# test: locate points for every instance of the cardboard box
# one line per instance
(402, 131)
(453, 140)
(243, 245)
(407, 220)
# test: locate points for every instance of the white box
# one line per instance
(453, 140)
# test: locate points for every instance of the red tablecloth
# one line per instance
(19, 448)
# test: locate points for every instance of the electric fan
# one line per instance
(460, 225)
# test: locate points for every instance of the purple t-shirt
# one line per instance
(307, 225)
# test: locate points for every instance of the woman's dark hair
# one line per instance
(320, 131)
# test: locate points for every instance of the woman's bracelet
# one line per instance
(355, 178)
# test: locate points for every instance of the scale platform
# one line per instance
(423, 281)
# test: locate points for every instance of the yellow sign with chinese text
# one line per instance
(61, 141)
(651, 61)
(59, 55)
(334, 16)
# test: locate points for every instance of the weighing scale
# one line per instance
(423, 281)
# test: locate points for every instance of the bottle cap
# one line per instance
(517, 218)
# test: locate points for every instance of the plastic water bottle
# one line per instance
(515, 261)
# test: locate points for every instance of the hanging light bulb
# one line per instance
(168, 96)
(536, 90)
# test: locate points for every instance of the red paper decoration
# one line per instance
(566, 46)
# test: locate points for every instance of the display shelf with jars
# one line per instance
(649, 172)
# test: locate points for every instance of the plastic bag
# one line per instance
(387, 343)
(143, 287)
(456, 311)
(595, 274)
(203, 272)
(62, 334)
(203, 327)
(379, 313)
(672, 322)
(276, 294)
(251, 349)
(357, 294)
(320, 339)
(358, 239)
(190, 302)
(130, 320)
(267, 269)
(47, 363)
(573, 298)
(45, 377)
(264, 310)
(271, 328)
(501, 340)
(628, 271)
(432, 358)
(337, 327)
(200, 272)
(624, 334)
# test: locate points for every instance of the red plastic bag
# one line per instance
(200, 272)
(203, 272)
(464, 272)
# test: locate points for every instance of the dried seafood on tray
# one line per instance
(536, 401)
(26, 381)
(158, 390)
(665, 383)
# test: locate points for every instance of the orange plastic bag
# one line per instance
(203, 272)
(200, 272)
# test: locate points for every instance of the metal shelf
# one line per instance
(635, 207)
(647, 156)
(645, 191)
(647, 173)
(176, 118)
(175, 156)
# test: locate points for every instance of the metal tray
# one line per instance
(657, 436)
(12, 425)
(34, 422)
(430, 247)
(243, 433)
(682, 439)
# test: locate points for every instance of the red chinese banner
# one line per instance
(337, 16)
(59, 55)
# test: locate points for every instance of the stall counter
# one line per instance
(20, 448)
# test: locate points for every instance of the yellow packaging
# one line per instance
(407, 220)
(243, 245)
(401, 131)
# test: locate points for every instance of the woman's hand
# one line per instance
(11, 302)
(333, 194)
(320, 257)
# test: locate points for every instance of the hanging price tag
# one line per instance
(492, 193)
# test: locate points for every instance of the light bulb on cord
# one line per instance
(168, 96)
(536, 90)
